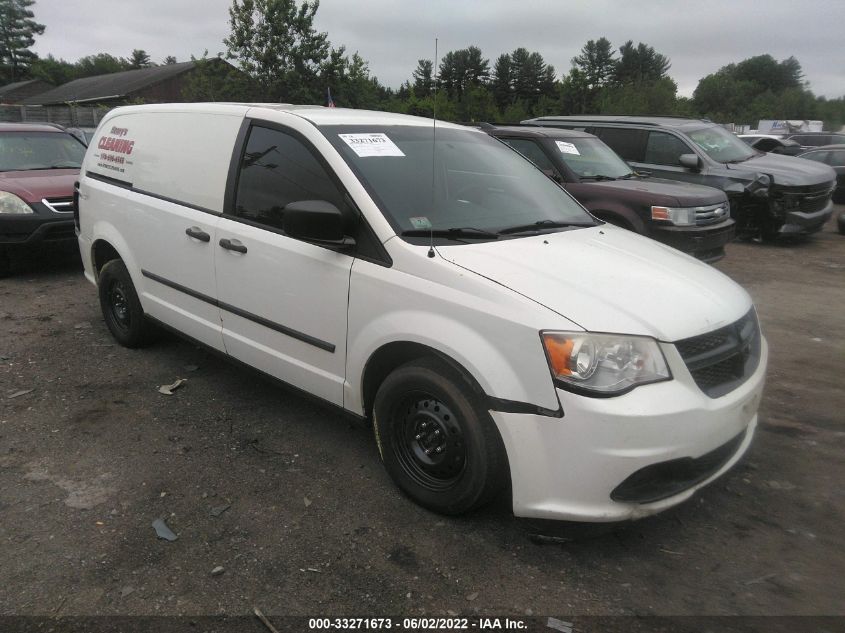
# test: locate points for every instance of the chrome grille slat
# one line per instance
(720, 361)
(59, 205)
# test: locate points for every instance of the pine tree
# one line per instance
(18, 29)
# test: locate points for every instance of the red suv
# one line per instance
(39, 164)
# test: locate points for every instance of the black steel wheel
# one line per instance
(5, 264)
(437, 440)
(121, 307)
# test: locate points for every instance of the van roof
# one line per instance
(318, 115)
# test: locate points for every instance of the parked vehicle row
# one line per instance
(770, 195)
(39, 164)
(434, 281)
(691, 218)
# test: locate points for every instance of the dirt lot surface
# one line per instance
(289, 498)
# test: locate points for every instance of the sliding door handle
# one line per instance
(232, 245)
(198, 234)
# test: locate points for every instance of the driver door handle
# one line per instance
(198, 234)
(232, 245)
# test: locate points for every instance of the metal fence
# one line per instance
(69, 116)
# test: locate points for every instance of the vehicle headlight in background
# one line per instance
(10, 204)
(679, 216)
(604, 364)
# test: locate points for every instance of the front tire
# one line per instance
(436, 438)
(121, 307)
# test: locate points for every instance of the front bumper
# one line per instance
(568, 468)
(706, 243)
(43, 226)
(801, 223)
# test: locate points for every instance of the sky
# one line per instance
(698, 36)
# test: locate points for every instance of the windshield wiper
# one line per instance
(540, 225)
(629, 175)
(598, 177)
(466, 232)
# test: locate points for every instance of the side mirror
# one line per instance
(690, 161)
(315, 221)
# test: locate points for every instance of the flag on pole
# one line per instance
(329, 101)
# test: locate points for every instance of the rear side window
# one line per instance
(277, 169)
(664, 149)
(812, 140)
(629, 144)
(532, 151)
(819, 157)
(836, 158)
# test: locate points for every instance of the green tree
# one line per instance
(639, 64)
(423, 77)
(18, 29)
(522, 76)
(597, 62)
(52, 70)
(274, 41)
(139, 59)
(169, 60)
(99, 64)
(756, 88)
(462, 69)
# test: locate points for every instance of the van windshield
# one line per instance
(721, 145)
(25, 151)
(467, 185)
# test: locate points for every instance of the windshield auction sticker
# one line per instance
(567, 148)
(372, 144)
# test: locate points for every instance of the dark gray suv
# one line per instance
(770, 195)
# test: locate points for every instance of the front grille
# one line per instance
(720, 361)
(711, 214)
(59, 205)
(803, 199)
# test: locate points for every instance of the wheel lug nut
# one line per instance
(423, 425)
(437, 432)
(428, 451)
(439, 449)
(417, 436)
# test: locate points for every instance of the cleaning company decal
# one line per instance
(115, 148)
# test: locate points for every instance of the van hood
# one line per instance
(666, 192)
(607, 279)
(787, 171)
(32, 186)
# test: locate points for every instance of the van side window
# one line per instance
(278, 169)
(532, 152)
(629, 144)
(664, 149)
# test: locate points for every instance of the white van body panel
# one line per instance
(481, 305)
(608, 279)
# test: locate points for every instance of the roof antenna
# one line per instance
(433, 147)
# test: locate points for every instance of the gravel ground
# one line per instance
(290, 500)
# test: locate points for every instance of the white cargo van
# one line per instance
(435, 282)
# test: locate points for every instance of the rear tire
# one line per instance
(121, 307)
(840, 223)
(436, 438)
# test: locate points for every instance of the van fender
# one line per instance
(521, 379)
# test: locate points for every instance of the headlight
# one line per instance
(11, 204)
(679, 216)
(604, 364)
